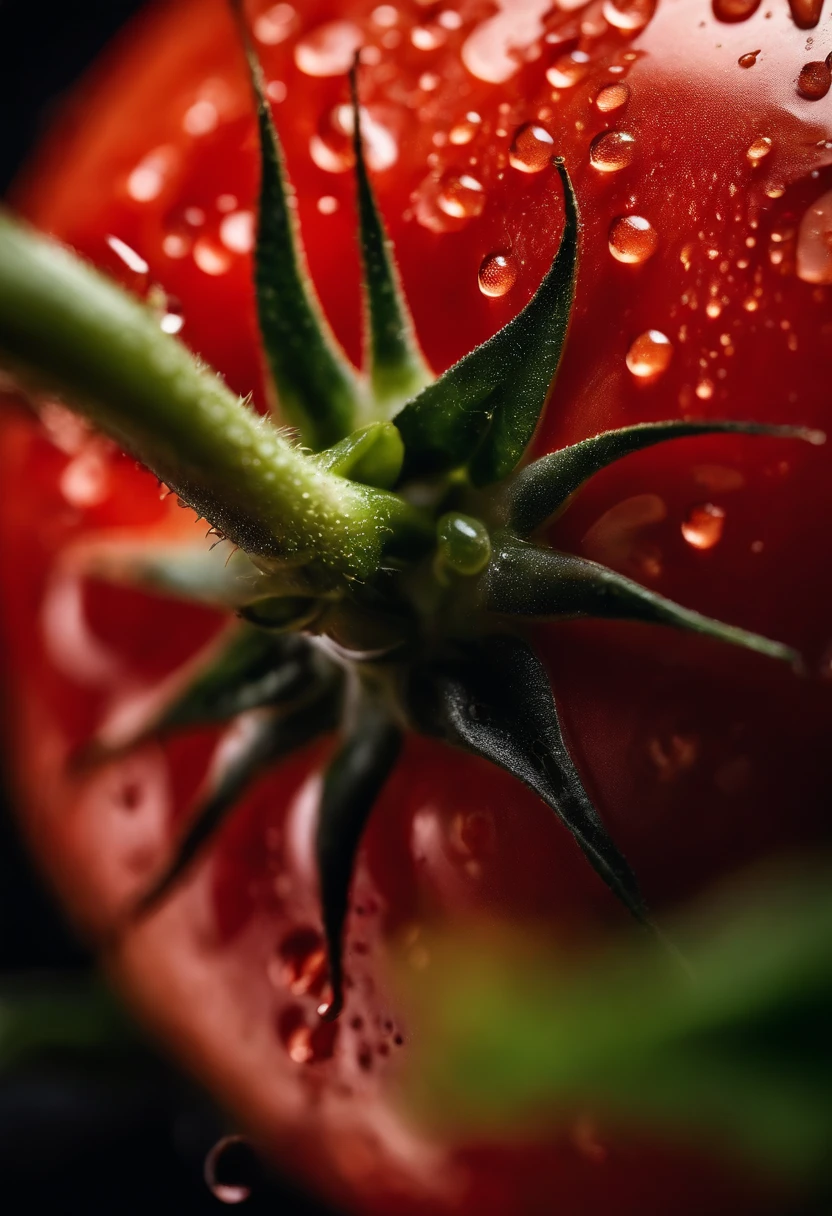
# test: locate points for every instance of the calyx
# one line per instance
(386, 556)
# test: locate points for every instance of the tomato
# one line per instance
(702, 759)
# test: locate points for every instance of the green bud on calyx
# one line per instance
(463, 545)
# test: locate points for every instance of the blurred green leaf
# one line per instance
(67, 1016)
(723, 1038)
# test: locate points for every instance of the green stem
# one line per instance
(66, 329)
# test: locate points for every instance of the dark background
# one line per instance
(87, 1137)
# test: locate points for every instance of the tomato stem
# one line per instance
(66, 329)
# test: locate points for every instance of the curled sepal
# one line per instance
(243, 670)
(543, 584)
(318, 390)
(259, 740)
(544, 487)
(485, 408)
(372, 455)
(353, 781)
(397, 366)
(495, 701)
(250, 670)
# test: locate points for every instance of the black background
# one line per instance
(76, 1139)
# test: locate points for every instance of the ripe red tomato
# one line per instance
(701, 758)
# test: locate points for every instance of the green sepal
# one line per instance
(318, 391)
(543, 584)
(373, 455)
(485, 408)
(353, 781)
(495, 700)
(544, 487)
(396, 365)
(242, 670)
(251, 669)
(270, 736)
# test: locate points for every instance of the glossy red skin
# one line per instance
(701, 759)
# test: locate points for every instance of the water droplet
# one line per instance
(380, 146)
(650, 355)
(237, 231)
(300, 964)
(463, 132)
(201, 118)
(329, 49)
(327, 204)
(748, 60)
(171, 321)
(332, 151)
(449, 19)
(814, 80)
(568, 70)
(490, 50)
(613, 97)
(713, 309)
(814, 242)
(759, 149)
(172, 324)
(531, 149)
(306, 1044)
(150, 175)
(85, 482)
(497, 274)
(275, 25)
(673, 756)
(132, 260)
(704, 526)
(461, 196)
(705, 390)
(175, 245)
(211, 257)
(427, 37)
(806, 13)
(472, 834)
(385, 16)
(231, 1168)
(629, 15)
(735, 10)
(611, 151)
(632, 239)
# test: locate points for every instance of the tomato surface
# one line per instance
(716, 301)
